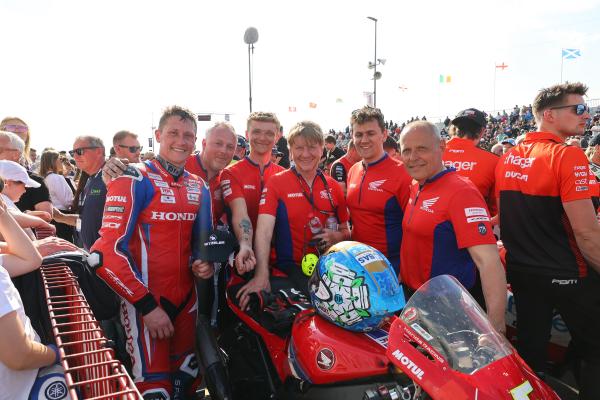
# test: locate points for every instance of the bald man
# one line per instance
(446, 225)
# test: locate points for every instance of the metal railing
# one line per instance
(91, 370)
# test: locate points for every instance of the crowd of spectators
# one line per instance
(502, 127)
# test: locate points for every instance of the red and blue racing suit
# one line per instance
(149, 224)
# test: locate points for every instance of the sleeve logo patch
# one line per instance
(475, 212)
(477, 219)
(482, 229)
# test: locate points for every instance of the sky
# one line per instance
(79, 67)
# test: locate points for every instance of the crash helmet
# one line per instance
(355, 287)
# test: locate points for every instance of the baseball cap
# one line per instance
(10, 170)
(595, 141)
(241, 141)
(275, 151)
(509, 141)
(471, 114)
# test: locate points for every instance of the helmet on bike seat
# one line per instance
(355, 287)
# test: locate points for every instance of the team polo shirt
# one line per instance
(377, 194)
(339, 169)
(533, 180)
(476, 164)
(244, 179)
(444, 217)
(291, 201)
(194, 166)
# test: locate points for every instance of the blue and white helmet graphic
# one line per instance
(355, 287)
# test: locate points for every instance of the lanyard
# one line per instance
(310, 197)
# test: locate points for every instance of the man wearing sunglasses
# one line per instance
(127, 146)
(88, 152)
(548, 200)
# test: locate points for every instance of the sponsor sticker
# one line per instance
(294, 195)
(193, 197)
(461, 165)
(115, 209)
(581, 188)
(167, 199)
(252, 187)
(167, 191)
(161, 184)
(477, 219)
(419, 329)
(116, 199)
(367, 257)
(154, 176)
(110, 216)
(475, 211)
(111, 225)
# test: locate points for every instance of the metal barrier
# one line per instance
(91, 370)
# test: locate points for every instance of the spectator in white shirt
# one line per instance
(51, 169)
(21, 354)
(15, 179)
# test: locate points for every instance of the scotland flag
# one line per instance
(571, 54)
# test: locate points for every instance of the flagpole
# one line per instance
(562, 58)
(494, 102)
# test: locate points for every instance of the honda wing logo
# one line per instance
(376, 184)
(325, 359)
(427, 204)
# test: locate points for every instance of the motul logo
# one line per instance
(408, 364)
(172, 216)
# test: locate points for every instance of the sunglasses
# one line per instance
(81, 150)
(132, 149)
(15, 128)
(579, 109)
(6, 149)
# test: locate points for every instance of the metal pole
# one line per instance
(375, 70)
(250, 76)
(561, 65)
(494, 103)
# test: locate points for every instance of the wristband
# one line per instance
(56, 353)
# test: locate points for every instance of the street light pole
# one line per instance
(250, 37)
(374, 65)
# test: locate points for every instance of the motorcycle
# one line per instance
(445, 344)
(441, 347)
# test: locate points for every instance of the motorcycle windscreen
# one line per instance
(451, 321)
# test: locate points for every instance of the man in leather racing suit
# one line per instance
(153, 215)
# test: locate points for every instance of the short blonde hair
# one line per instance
(311, 131)
(263, 117)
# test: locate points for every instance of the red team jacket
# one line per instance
(245, 180)
(377, 194)
(443, 217)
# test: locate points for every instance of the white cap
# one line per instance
(10, 170)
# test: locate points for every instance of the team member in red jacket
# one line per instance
(548, 202)
(446, 226)
(378, 187)
(243, 182)
(469, 160)
(291, 203)
(153, 214)
(218, 147)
